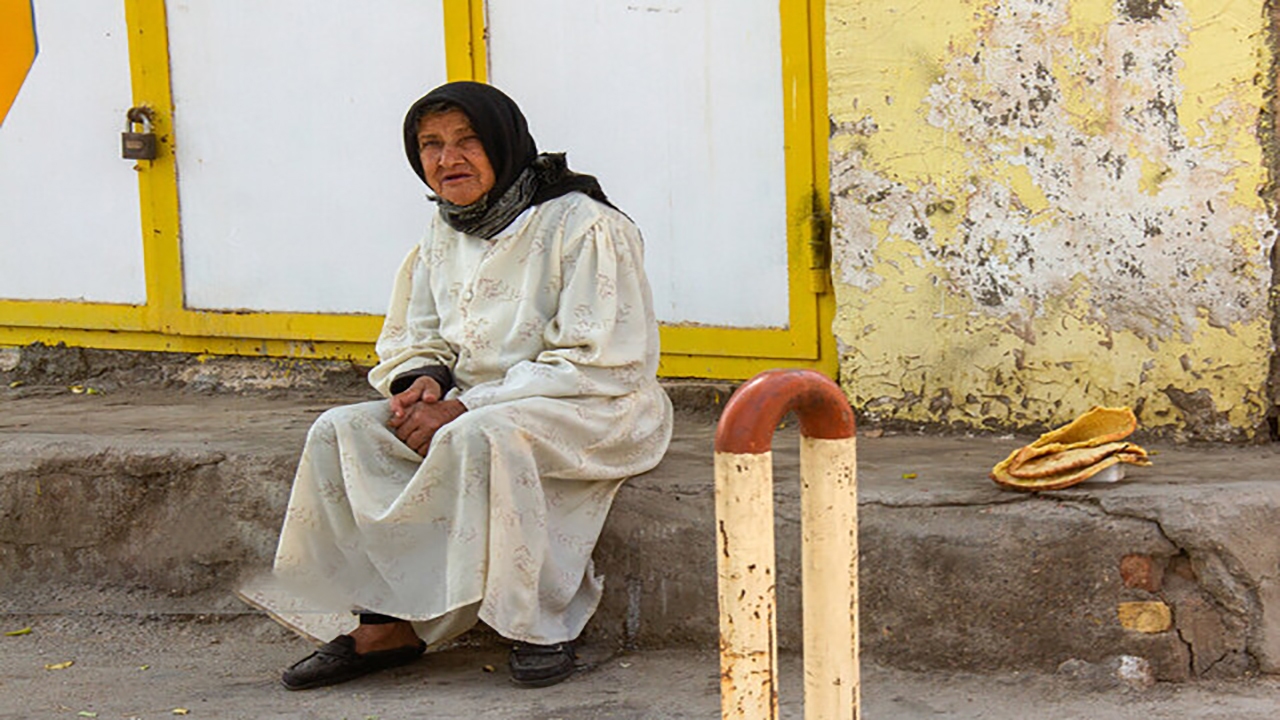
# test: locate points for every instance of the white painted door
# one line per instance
(70, 226)
(677, 106)
(295, 192)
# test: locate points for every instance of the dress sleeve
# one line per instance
(603, 337)
(410, 338)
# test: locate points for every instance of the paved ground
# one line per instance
(219, 667)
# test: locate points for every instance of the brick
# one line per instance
(1145, 617)
(1142, 572)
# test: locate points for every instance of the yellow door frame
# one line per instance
(164, 323)
(807, 341)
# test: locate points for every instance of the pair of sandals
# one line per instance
(337, 661)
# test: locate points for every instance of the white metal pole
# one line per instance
(829, 557)
(746, 584)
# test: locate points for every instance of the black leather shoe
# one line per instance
(541, 665)
(337, 661)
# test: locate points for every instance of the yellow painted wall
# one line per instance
(1043, 205)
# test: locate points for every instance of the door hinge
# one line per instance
(819, 222)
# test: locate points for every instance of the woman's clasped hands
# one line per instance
(418, 412)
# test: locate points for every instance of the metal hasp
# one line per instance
(745, 547)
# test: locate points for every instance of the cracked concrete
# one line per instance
(179, 494)
(1218, 534)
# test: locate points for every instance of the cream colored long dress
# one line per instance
(550, 332)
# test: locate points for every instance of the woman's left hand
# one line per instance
(420, 421)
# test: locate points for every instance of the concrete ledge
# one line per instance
(179, 495)
(957, 574)
(41, 369)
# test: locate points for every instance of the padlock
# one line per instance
(138, 145)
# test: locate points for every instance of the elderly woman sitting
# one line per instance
(518, 357)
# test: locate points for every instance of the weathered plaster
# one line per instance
(1271, 151)
(1043, 205)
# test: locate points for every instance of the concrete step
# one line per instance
(178, 495)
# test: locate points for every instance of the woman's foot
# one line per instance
(384, 636)
(541, 665)
(367, 649)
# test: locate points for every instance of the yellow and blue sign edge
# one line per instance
(165, 324)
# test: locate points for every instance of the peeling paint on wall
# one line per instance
(1042, 205)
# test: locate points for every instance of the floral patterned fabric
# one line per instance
(550, 333)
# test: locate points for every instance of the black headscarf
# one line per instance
(523, 177)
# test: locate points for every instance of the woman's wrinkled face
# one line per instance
(453, 158)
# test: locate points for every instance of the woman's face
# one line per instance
(453, 158)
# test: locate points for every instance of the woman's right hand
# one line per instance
(422, 420)
(417, 413)
(424, 389)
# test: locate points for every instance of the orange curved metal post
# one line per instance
(754, 411)
(745, 557)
